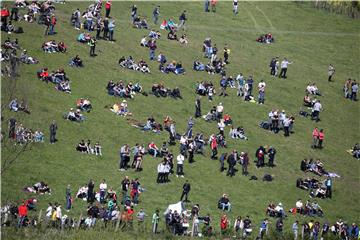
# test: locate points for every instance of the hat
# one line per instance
(124, 101)
(280, 204)
(283, 111)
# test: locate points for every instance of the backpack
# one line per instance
(267, 177)
(303, 113)
(264, 125)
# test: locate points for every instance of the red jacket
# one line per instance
(5, 12)
(223, 223)
(108, 5)
(213, 143)
(22, 210)
(315, 133)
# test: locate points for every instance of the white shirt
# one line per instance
(220, 109)
(317, 106)
(58, 213)
(262, 86)
(180, 159)
(49, 211)
(161, 168)
(299, 204)
(143, 42)
(221, 125)
(103, 186)
(183, 140)
(285, 63)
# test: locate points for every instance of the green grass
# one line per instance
(310, 38)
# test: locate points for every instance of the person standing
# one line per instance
(331, 72)
(261, 89)
(107, 8)
(125, 185)
(92, 44)
(103, 188)
(52, 24)
(197, 108)
(133, 13)
(226, 54)
(152, 47)
(206, 5)
(68, 198)
(156, 14)
(140, 216)
(287, 122)
(186, 190)
(111, 27)
(213, 5)
(12, 126)
(245, 163)
(284, 67)
(271, 153)
(315, 135)
(106, 28)
(316, 111)
(180, 165)
(295, 229)
(90, 192)
(22, 214)
(354, 90)
(235, 7)
(231, 162)
(155, 221)
(53, 129)
(182, 19)
(213, 146)
(321, 138)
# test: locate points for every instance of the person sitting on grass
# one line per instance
(39, 136)
(143, 42)
(84, 37)
(183, 40)
(64, 86)
(75, 116)
(83, 104)
(237, 133)
(143, 67)
(50, 46)
(121, 109)
(198, 66)
(154, 34)
(153, 149)
(44, 75)
(172, 35)
(179, 69)
(224, 203)
(76, 62)
(81, 147)
(312, 89)
(266, 38)
(308, 102)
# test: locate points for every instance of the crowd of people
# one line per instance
(104, 204)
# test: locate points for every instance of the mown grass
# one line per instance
(310, 38)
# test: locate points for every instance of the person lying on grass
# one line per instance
(311, 165)
(15, 106)
(307, 183)
(52, 46)
(39, 188)
(129, 63)
(25, 58)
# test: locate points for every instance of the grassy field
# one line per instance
(312, 39)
